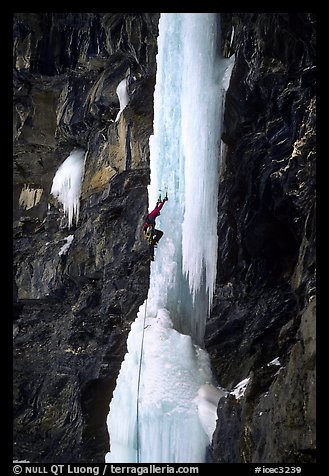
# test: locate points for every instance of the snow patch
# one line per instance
(122, 94)
(65, 247)
(239, 390)
(274, 362)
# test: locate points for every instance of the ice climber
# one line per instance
(151, 233)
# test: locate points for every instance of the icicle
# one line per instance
(67, 182)
(202, 99)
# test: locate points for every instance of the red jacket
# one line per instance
(150, 217)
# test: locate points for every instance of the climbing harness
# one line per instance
(138, 385)
(149, 234)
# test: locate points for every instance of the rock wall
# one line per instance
(73, 310)
(264, 307)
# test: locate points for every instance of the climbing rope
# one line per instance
(138, 384)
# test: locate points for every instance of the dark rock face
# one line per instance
(265, 299)
(73, 310)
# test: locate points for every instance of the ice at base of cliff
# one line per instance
(176, 397)
(207, 402)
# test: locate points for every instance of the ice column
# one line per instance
(201, 108)
(192, 78)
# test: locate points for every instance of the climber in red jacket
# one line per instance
(151, 233)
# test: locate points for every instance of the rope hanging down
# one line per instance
(138, 384)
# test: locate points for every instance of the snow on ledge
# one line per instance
(239, 390)
(66, 246)
(122, 94)
(274, 362)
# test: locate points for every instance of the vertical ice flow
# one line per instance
(201, 99)
(169, 419)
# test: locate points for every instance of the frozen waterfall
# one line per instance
(163, 409)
